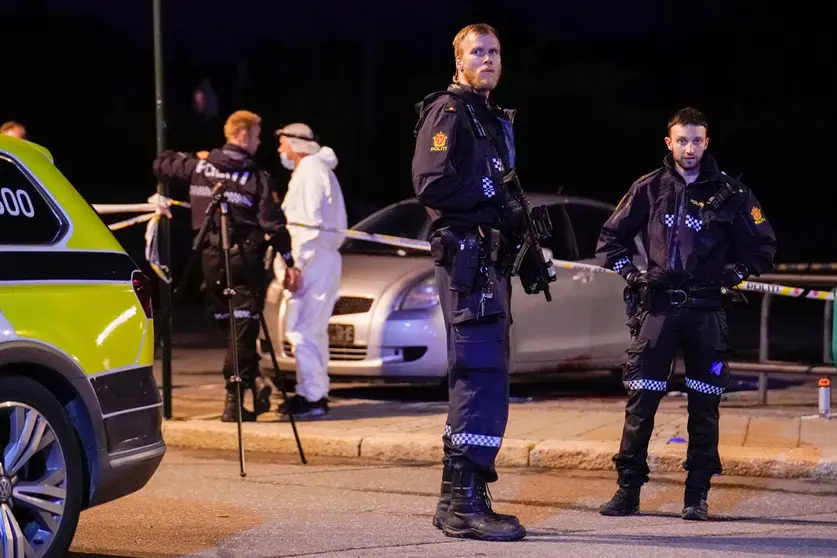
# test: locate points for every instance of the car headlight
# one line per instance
(420, 296)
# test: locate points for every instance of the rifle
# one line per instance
(535, 272)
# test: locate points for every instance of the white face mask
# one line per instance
(287, 163)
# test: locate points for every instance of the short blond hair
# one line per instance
(478, 29)
(240, 120)
(11, 125)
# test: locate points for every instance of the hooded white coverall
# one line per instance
(314, 197)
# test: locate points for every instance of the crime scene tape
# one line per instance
(161, 204)
(779, 290)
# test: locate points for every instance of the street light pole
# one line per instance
(164, 239)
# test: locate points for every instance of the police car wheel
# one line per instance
(41, 471)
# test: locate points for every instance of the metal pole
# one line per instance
(164, 242)
(827, 332)
(764, 340)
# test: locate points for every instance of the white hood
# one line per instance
(327, 156)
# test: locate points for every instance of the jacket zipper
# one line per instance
(674, 240)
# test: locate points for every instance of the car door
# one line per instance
(545, 334)
(601, 293)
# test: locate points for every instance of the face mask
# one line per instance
(287, 163)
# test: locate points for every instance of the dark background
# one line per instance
(594, 85)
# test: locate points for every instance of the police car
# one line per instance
(80, 411)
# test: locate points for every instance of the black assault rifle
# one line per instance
(527, 259)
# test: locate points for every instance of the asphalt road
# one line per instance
(197, 505)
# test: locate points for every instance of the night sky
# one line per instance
(594, 86)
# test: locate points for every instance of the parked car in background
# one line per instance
(387, 322)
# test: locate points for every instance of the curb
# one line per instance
(767, 462)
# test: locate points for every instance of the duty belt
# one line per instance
(699, 298)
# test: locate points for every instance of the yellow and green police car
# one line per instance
(80, 411)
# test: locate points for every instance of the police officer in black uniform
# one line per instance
(464, 153)
(694, 221)
(256, 221)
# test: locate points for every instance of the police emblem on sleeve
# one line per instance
(440, 142)
(756, 213)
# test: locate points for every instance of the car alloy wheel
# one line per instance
(39, 470)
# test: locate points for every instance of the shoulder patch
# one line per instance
(440, 141)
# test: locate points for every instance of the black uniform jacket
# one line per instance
(683, 237)
(461, 157)
(254, 204)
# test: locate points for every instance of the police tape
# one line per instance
(751, 286)
(162, 205)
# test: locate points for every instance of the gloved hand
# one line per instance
(733, 277)
(636, 279)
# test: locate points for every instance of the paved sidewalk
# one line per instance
(782, 440)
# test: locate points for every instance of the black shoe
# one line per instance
(624, 502)
(303, 409)
(261, 395)
(695, 507)
(230, 413)
(469, 514)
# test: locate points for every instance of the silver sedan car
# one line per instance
(387, 323)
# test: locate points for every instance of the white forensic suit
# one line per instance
(314, 197)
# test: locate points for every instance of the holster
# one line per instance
(466, 253)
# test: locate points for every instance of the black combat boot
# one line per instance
(261, 395)
(230, 413)
(624, 502)
(695, 507)
(470, 516)
(444, 500)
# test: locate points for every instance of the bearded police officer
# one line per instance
(694, 220)
(255, 216)
(463, 172)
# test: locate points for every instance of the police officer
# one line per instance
(464, 149)
(694, 220)
(255, 214)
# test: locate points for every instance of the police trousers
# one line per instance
(248, 301)
(702, 337)
(477, 325)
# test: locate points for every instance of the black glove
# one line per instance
(636, 278)
(733, 277)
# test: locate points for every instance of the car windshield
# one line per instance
(407, 220)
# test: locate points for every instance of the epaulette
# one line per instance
(422, 105)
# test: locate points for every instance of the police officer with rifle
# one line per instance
(483, 234)
(704, 233)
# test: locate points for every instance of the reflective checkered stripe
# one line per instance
(617, 267)
(488, 187)
(470, 439)
(669, 220)
(650, 385)
(234, 198)
(498, 163)
(693, 223)
(237, 314)
(703, 387)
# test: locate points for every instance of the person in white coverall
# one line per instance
(314, 197)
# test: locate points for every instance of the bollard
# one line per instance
(825, 397)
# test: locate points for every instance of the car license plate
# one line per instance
(341, 334)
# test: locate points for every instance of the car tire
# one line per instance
(37, 482)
